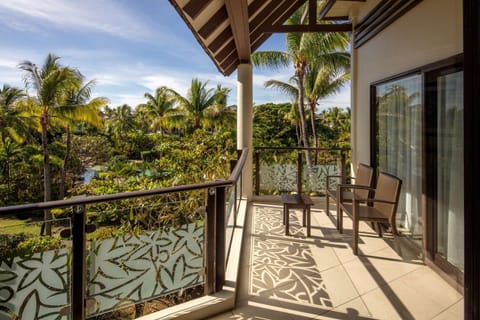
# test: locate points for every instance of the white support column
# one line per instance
(245, 123)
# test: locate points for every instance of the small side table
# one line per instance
(296, 201)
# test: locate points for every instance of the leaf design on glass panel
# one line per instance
(189, 237)
(7, 276)
(180, 276)
(30, 307)
(47, 267)
(6, 293)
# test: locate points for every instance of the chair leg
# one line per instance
(379, 229)
(304, 214)
(356, 224)
(339, 219)
(328, 203)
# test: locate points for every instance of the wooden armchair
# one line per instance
(381, 209)
(364, 178)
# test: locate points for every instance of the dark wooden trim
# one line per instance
(373, 129)
(339, 27)
(373, 15)
(325, 9)
(374, 27)
(271, 14)
(220, 40)
(336, 18)
(226, 51)
(382, 16)
(312, 11)
(211, 25)
(194, 7)
(285, 10)
(471, 43)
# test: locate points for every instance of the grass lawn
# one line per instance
(11, 224)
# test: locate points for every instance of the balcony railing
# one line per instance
(279, 170)
(142, 250)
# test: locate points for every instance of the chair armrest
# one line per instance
(341, 187)
(354, 186)
(370, 200)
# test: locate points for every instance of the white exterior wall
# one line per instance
(432, 31)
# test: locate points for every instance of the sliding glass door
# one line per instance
(398, 144)
(449, 168)
(417, 135)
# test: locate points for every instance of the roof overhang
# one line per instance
(230, 30)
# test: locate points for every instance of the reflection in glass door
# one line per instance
(399, 147)
(449, 175)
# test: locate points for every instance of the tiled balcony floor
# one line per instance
(295, 277)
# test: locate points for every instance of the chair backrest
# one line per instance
(364, 178)
(388, 189)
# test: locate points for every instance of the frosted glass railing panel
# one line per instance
(278, 178)
(315, 177)
(136, 267)
(34, 280)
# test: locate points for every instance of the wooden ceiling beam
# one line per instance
(312, 12)
(326, 8)
(238, 14)
(212, 24)
(194, 7)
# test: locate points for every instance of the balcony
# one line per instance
(229, 258)
(295, 277)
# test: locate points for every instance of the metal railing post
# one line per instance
(210, 242)
(220, 225)
(342, 166)
(78, 263)
(257, 172)
(299, 172)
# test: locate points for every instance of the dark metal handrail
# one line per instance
(214, 233)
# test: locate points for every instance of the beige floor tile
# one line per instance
(352, 310)
(271, 309)
(430, 285)
(372, 271)
(400, 301)
(338, 286)
(324, 256)
(452, 313)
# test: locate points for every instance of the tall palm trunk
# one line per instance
(314, 128)
(63, 177)
(47, 179)
(300, 73)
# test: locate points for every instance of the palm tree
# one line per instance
(158, 107)
(321, 82)
(197, 106)
(50, 82)
(303, 49)
(87, 110)
(14, 121)
(8, 150)
(291, 90)
(120, 121)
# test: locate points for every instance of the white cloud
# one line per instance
(102, 16)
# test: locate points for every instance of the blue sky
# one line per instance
(128, 46)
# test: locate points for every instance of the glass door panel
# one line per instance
(399, 147)
(450, 214)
